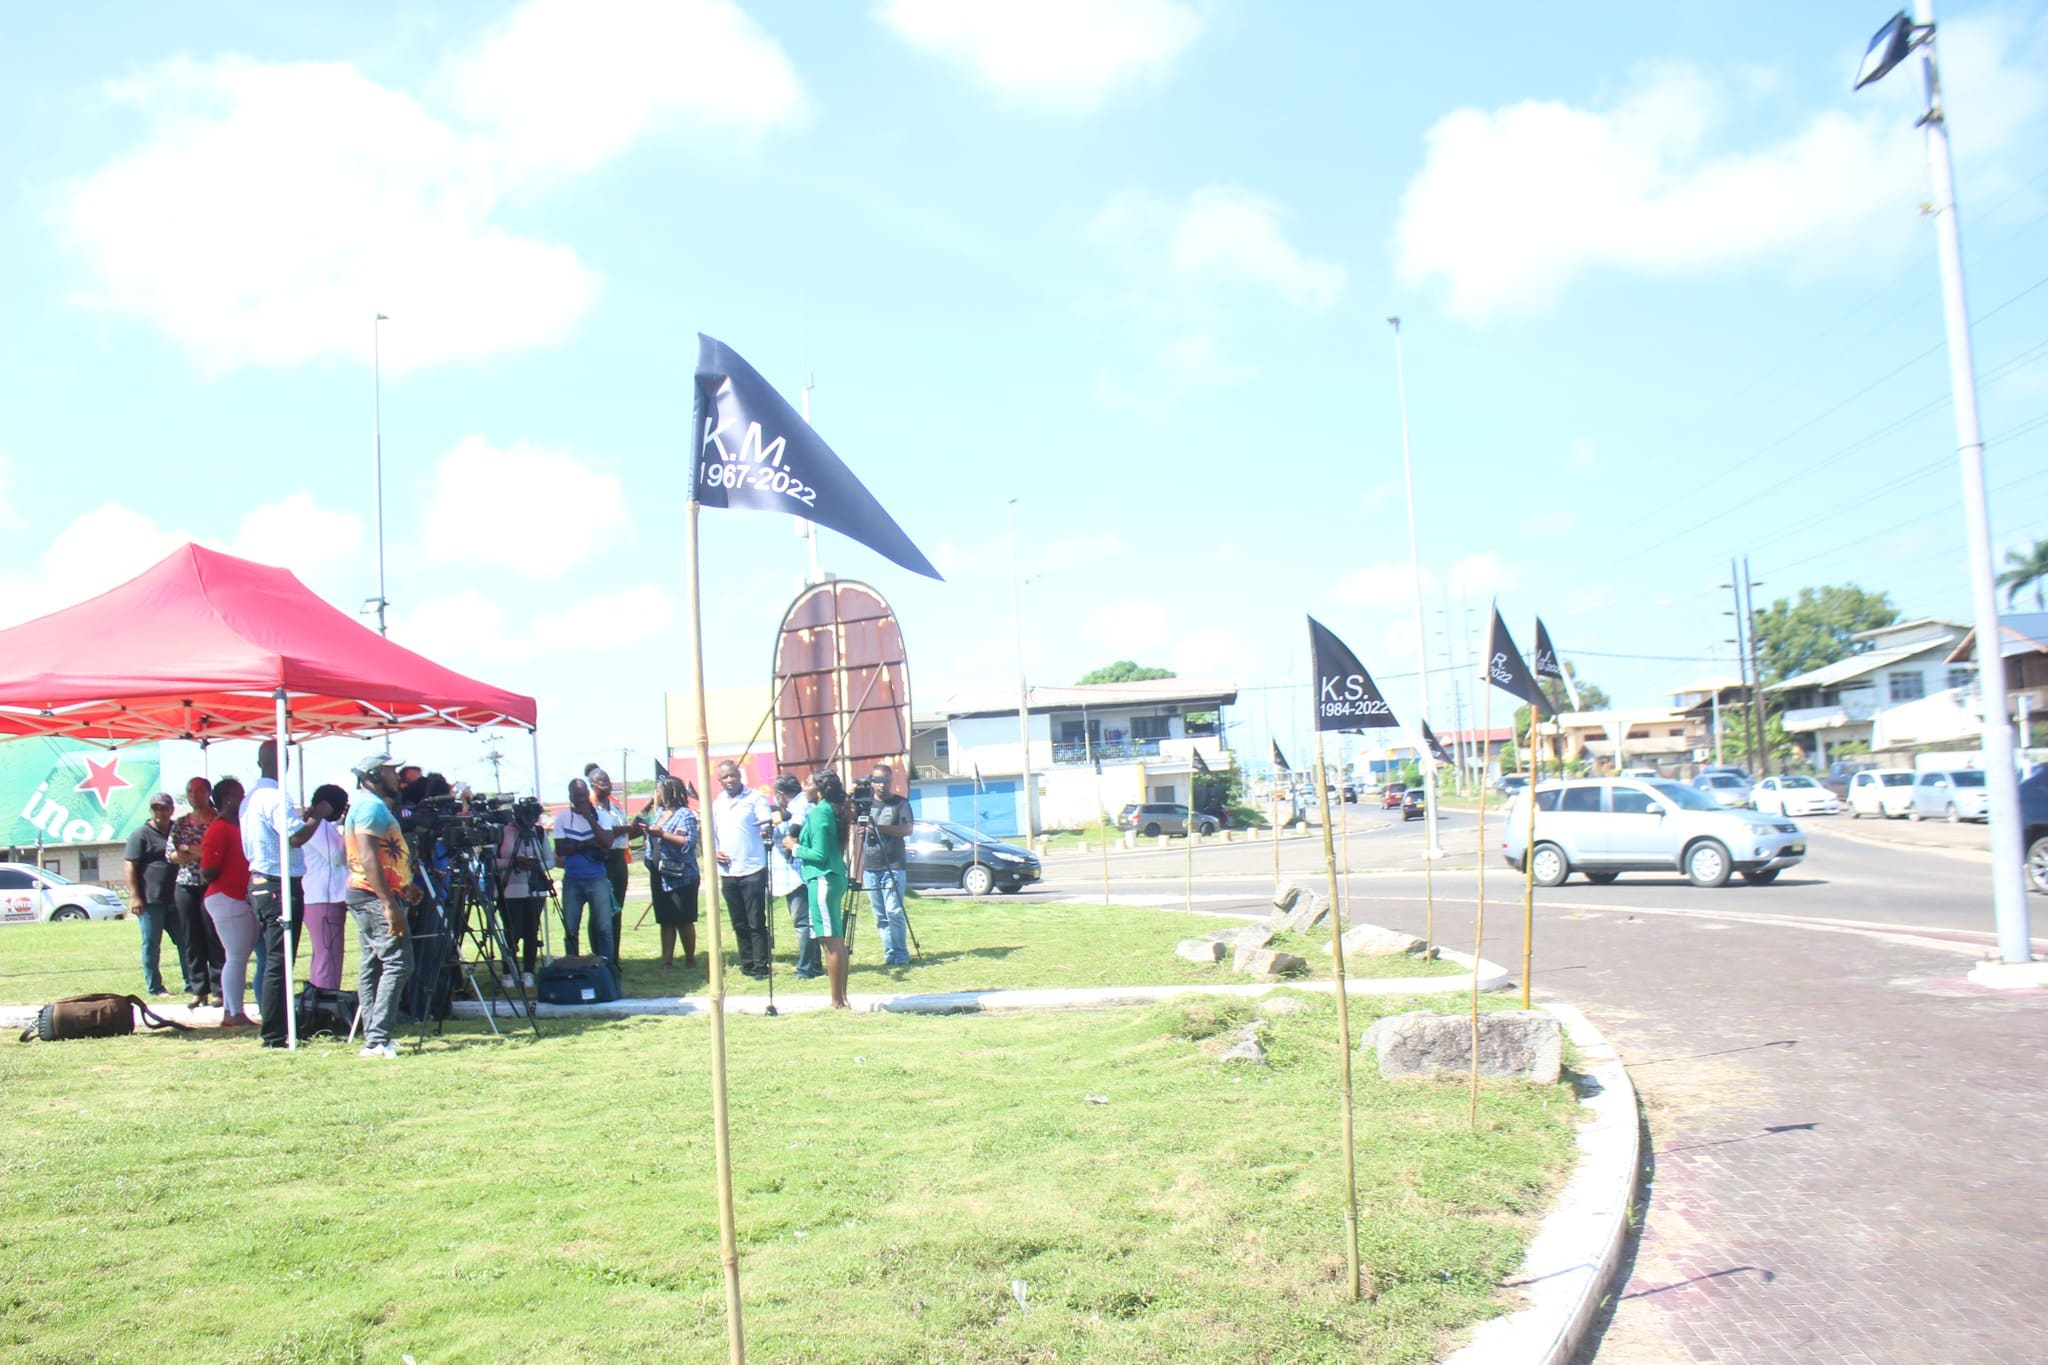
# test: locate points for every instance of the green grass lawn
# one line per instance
(191, 1197)
(1003, 944)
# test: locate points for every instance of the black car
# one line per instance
(2034, 826)
(1414, 803)
(940, 853)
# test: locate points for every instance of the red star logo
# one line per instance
(103, 778)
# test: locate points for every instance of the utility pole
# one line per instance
(1432, 846)
(1741, 643)
(1027, 792)
(495, 757)
(377, 455)
(1756, 698)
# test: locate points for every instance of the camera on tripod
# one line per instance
(862, 794)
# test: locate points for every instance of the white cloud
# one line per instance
(299, 532)
(499, 491)
(1194, 361)
(1129, 627)
(270, 209)
(1227, 232)
(1207, 650)
(1390, 585)
(469, 628)
(630, 616)
(564, 86)
(1514, 204)
(1480, 575)
(1050, 56)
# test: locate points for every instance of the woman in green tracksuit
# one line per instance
(821, 853)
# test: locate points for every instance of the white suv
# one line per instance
(29, 894)
(1607, 826)
(1884, 792)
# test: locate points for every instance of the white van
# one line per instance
(29, 895)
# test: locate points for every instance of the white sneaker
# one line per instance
(528, 979)
(379, 1050)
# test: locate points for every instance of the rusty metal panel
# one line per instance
(842, 684)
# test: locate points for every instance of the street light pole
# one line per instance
(1432, 848)
(1023, 693)
(377, 422)
(2008, 870)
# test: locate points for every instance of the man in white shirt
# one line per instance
(786, 879)
(743, 820)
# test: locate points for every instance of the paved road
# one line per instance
(1849, 1143)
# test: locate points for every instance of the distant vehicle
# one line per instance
(940, 853)
(1642, 774)
(1952, 794)
(1740, 772)
(1392, 795)
(1507, 784)
(1726, 786)
(1415, 803)
(1886, 793)
(1793, 795)
(1604, 827)
(2034, 827)
(1156, 818)
(1348, 788)
(29, 895)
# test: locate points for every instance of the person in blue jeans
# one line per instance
(582, 843)
(882, 864)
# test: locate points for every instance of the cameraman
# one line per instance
(523, 864)
(885, 823)
(381, 884)
(582, 840)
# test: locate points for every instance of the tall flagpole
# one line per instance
(1343, 1029)
(1529, 857)
(1479, 924)
(721, 1127)
(1434, 847)
(810, 528)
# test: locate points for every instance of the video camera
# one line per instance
(862, 795)
(445, 818)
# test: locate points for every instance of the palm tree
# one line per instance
(2026, 571)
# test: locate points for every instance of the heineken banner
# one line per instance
(58, 791)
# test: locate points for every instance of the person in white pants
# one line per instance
(226, 873)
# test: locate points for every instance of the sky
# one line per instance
(1667, 298)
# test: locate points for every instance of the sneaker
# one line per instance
(527, 980)
(379, 1050)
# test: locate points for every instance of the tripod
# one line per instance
(471, 902)
(856, 884)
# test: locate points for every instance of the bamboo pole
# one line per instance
(1189, 833)
(1274, 794)
(1479, 924)
(1428, 902)
(721, 1127)
(1529, 863)
(1343, 1030)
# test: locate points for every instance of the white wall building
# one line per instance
(1900, 694)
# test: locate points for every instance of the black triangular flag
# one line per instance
(660, 772)
(1548, 665)
(1346, 697)
(1280, 759)
(1506, 670)
(1436, 746)
(753, 450)
(1201, 764)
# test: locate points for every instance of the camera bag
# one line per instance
(576, 981)
(325, 1012)
(93, 1016)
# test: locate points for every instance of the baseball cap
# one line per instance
(161, 799)
(367, 766)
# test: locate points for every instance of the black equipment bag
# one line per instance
(325, 1012)
(93, 1016)
(576, 981)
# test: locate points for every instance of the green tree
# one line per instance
(1783, 749)
(1124, 670)
(1793, 637)
(2025, 571)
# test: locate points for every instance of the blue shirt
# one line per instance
(259, 829)
(574, 828)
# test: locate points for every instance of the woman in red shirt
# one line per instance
(226, 871)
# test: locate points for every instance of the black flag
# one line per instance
(754, 451)
(1506, 670)
(1280, 759)
(1201, 764)
(1346, 696)
(1436, 746)
(1548, 665)
(660, 772)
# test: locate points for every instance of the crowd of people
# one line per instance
(216, 880)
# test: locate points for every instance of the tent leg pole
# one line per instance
(286, 910)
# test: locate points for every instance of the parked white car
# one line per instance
(29, 895)
(1886, 793)
(1950, 794)
(1794, 795)
(1726, 788)
(1606, 826)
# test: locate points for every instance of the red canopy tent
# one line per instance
(205, 646)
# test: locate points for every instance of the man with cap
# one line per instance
(265, 810)
(380, 887)
(150, 881)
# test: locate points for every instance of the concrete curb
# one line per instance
(1855, 833)
(1492, 977)
(1572, 1264)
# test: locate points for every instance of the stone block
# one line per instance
(1240, 1046)
(1369, 940)
(1243, 936)
(1268, 962)
(1310, 911)
(1285, 897)
(1208, 952)
(1523, 1045)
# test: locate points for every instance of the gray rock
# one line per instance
(1268, 962)
(1203, 950)
(1243, 936)
(1240, 1046)
(1369, 940)
(1284, 898)
(1309, 912)
(1524, 1045)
